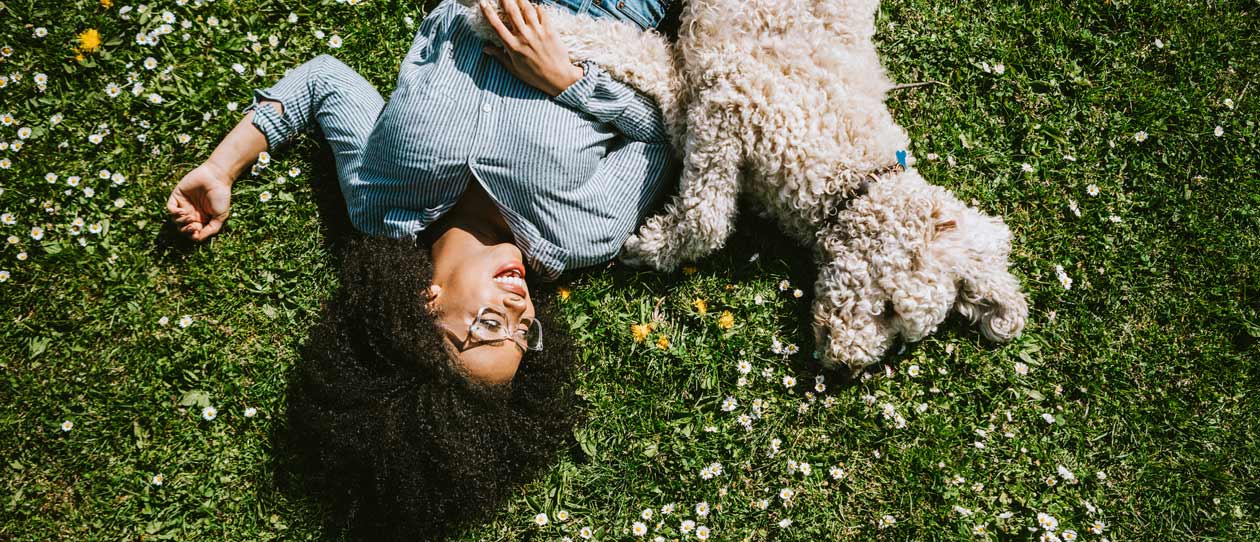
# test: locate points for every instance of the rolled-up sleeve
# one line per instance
(634, 115)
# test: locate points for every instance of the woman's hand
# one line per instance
(534, 54)
(199, 204)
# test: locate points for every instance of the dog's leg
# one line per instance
(698, 220)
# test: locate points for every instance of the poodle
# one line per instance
(782, 102)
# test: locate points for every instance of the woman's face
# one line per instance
(470, 275)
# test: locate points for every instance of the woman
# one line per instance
(485, 162)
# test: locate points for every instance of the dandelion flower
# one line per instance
(662, 342)
(564, 292)
(158, 479)
(640, 332)
(638, 528)
(726, 320)
(701, 306)
(540, 519)
(89, 40)
(67, 425)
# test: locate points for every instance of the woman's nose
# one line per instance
(514, 302)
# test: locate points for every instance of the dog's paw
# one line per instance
(644, 251)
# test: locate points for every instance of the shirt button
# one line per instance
(485, 108)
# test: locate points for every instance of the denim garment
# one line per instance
(643, 13)
(572, 174)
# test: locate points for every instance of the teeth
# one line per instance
(510, 280)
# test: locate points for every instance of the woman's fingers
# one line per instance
(504, 34)
(530, 11)
(513, 10)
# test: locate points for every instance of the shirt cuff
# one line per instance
(579, 93)
(270, 123)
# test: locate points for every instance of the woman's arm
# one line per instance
(535, 54)
(202, 200)
(634, 115)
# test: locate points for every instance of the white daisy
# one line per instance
(250, 412)
(1218, 131)
(1047, 521)
(702, 533)
(638, 528)
(265, 196)
(335, 42)
(158, 479)
(209, 413)
(540, 519)
(67, 425)
(1140, 136)
(185, 321)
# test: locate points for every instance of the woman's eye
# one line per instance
(490, 324)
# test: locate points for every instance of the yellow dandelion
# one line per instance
(689, 269)
(727, 320)
(79, 57)
(107, 4)
(89, 40)
(662, 342)
(564, 293)
(701, 306)
(640, 332)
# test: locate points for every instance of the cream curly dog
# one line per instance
(783, 100)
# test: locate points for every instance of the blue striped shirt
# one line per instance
(572, 175)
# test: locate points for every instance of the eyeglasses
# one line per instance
(493, 326)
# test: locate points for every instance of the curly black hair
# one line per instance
(391, 435)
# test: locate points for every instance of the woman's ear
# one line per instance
(431, 298)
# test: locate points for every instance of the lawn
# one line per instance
(1118, 139)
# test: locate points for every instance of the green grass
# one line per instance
(1148, 364)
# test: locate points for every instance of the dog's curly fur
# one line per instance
(783, 101)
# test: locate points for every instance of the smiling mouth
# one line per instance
(512, 279)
